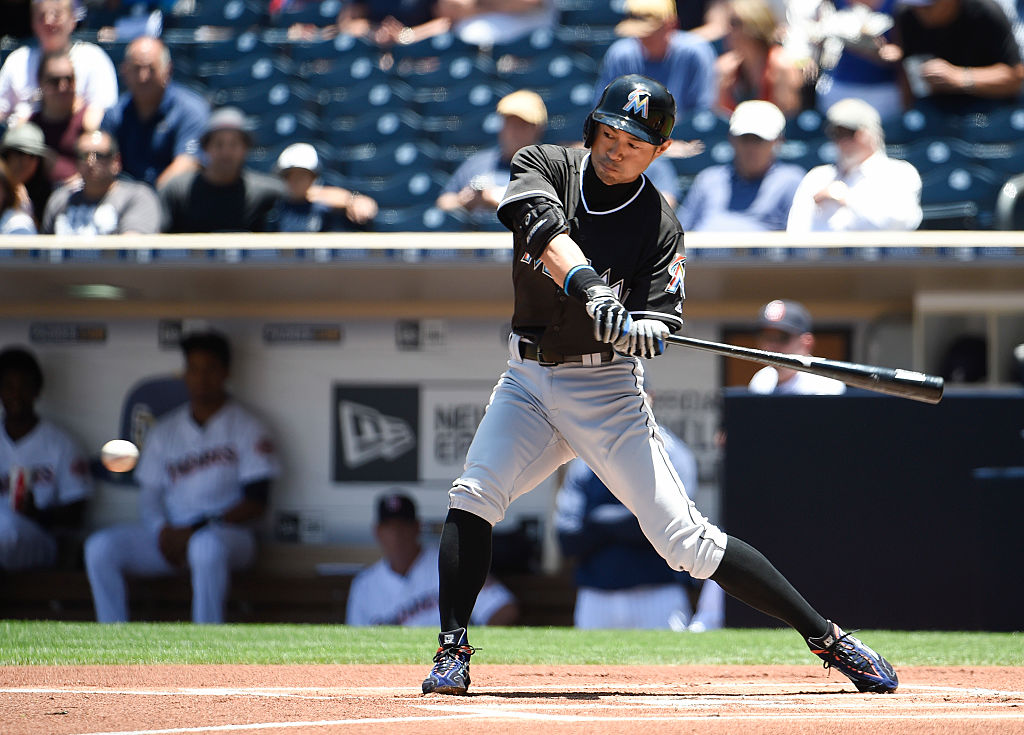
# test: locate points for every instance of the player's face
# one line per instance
(619, 157)
(205, 377)
(18, 393)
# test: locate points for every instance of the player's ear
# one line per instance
(662, 148)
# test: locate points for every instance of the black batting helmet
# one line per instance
(637, 104)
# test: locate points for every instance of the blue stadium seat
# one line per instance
(372, 127)
(332, 49)
(376, 93)
(253, 70)
(704, 125)
(265, 98)
(807, 125)
(545, 69)
(1005, 158)
(713, 155)
(311, 12)
(458, 99)
(285, 126)
(444, 46)
(237, 14)
(543, 40)
(403, 189)
(1009, 211)
(928, 153)
(479, 128)
(384, 159)
(919, 123)
(565, 126)
(1005, 125)
(230, 50)
(359, 70)
(959, 197)
(440, 72)
(423, 218)
(591, 12)
(803, 153)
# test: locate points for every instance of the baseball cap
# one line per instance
(298, 155)
(26, 138)
(644, 17)
(226, 118)
(854, 114)
(525, 105)
(790, 317)
(396, 506)
(757, 117)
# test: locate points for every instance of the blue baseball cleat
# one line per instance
(450, 674)
(868, 671)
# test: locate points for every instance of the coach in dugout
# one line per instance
(401, 588)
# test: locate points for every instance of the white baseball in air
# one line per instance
(119, 455)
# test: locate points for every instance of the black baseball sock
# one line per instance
(749, 577)
(462, 565)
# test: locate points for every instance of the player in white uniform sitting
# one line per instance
(205, 473)
(401, 588)
(44, 477)
(785, 326)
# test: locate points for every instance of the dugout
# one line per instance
(884, 513)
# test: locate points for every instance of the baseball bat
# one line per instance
(892, 381)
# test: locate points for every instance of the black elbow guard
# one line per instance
(537, 220)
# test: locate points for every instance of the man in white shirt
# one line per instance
(785, 326)
(96, 79)
(864, 189)
(44, 476)
(205, 471)
(401, 588)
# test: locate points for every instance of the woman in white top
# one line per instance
(95, 76)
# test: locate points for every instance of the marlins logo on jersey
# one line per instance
(637, 102)
(677, 276)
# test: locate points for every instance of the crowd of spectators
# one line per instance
(941, 58)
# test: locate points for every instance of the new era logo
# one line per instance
(367, 434)
(449, 638)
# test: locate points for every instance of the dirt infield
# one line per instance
(709, 700)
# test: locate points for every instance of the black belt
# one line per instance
(532, 351)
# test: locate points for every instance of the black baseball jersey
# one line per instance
(637, 247)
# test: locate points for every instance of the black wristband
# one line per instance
(579, 279)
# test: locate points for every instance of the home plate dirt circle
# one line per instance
(752, 700)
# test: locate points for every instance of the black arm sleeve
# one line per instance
(536, 220)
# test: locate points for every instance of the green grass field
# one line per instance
(55, 644)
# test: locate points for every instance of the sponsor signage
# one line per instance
(405, 433)
(67, 332)
(285, 333)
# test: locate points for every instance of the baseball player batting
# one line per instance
(598, 277)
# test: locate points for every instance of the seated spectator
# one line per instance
(28, 160)
(785, 326)
(754, 191)
(387, 22)
(653, 45)
(864, 189)
(223, 195)
(44, 476)
(99, 203)
(61, 114)
(622, 582)
(490, 22)
(478, 184)
(958, 55)
(206, 469)
(754, 65)
(299, 167)
(855, 68)
(401, 588)
(13, 220)
(157, 122)
(52, 23)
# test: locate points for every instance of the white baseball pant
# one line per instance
(540, 417)
(133, 550)
(24, 544)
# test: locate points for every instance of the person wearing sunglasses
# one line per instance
(61, 114)
(864, 189)
(100, 203)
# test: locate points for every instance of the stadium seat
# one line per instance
(231, 50)
(259, 69)
(236, 14)
(1005, 158)
(402, 189)
(373, 126)
(355, 99)
(927, 153)
(959, 197)
(265, 98)
(545, 69)
(704, 125)
(1005, 125)
(591, 12)
(543, 40)
(384, 159)
(1009, 211)
(444, 46)
(309, 12)
(423, 218)
(459, 99)
(443, 71)
(332, 49)
(285, 126)
(713, 155)
(918, 123)
(478, 128)
(808, 124)
(804, 153)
